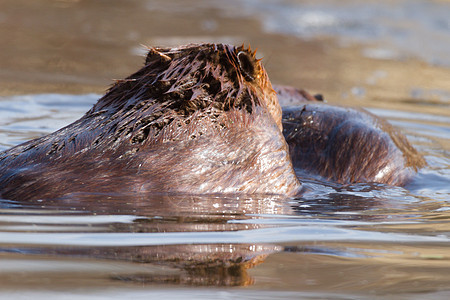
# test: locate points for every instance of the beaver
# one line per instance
(195, 119)
(202, 119)
(347, 145)
(343, 144)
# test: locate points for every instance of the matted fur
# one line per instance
(348, 145)
(194, 119)
(202, 119)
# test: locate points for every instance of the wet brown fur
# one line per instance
(195, 119)
(205, 119)
(347, 145)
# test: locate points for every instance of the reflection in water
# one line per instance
(200, 264)
(214, 240)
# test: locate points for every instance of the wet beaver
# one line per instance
(354, 146)
(198, 119)
(195, 119)
(342, 144)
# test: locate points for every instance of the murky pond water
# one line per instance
(364, 241)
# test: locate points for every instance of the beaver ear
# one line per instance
(319, 97)
(247, 65)
(155, 54)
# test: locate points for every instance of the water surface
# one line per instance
(363, 241)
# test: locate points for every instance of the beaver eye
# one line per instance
(246, 65)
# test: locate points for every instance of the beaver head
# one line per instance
(195, 119)
(190, 80)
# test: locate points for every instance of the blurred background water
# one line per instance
(335, 242)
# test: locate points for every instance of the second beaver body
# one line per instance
(203, 119)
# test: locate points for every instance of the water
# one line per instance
(364, 241)
(404, 28)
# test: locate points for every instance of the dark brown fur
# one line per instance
(346, 145)
(195, 119)
(203, 119)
